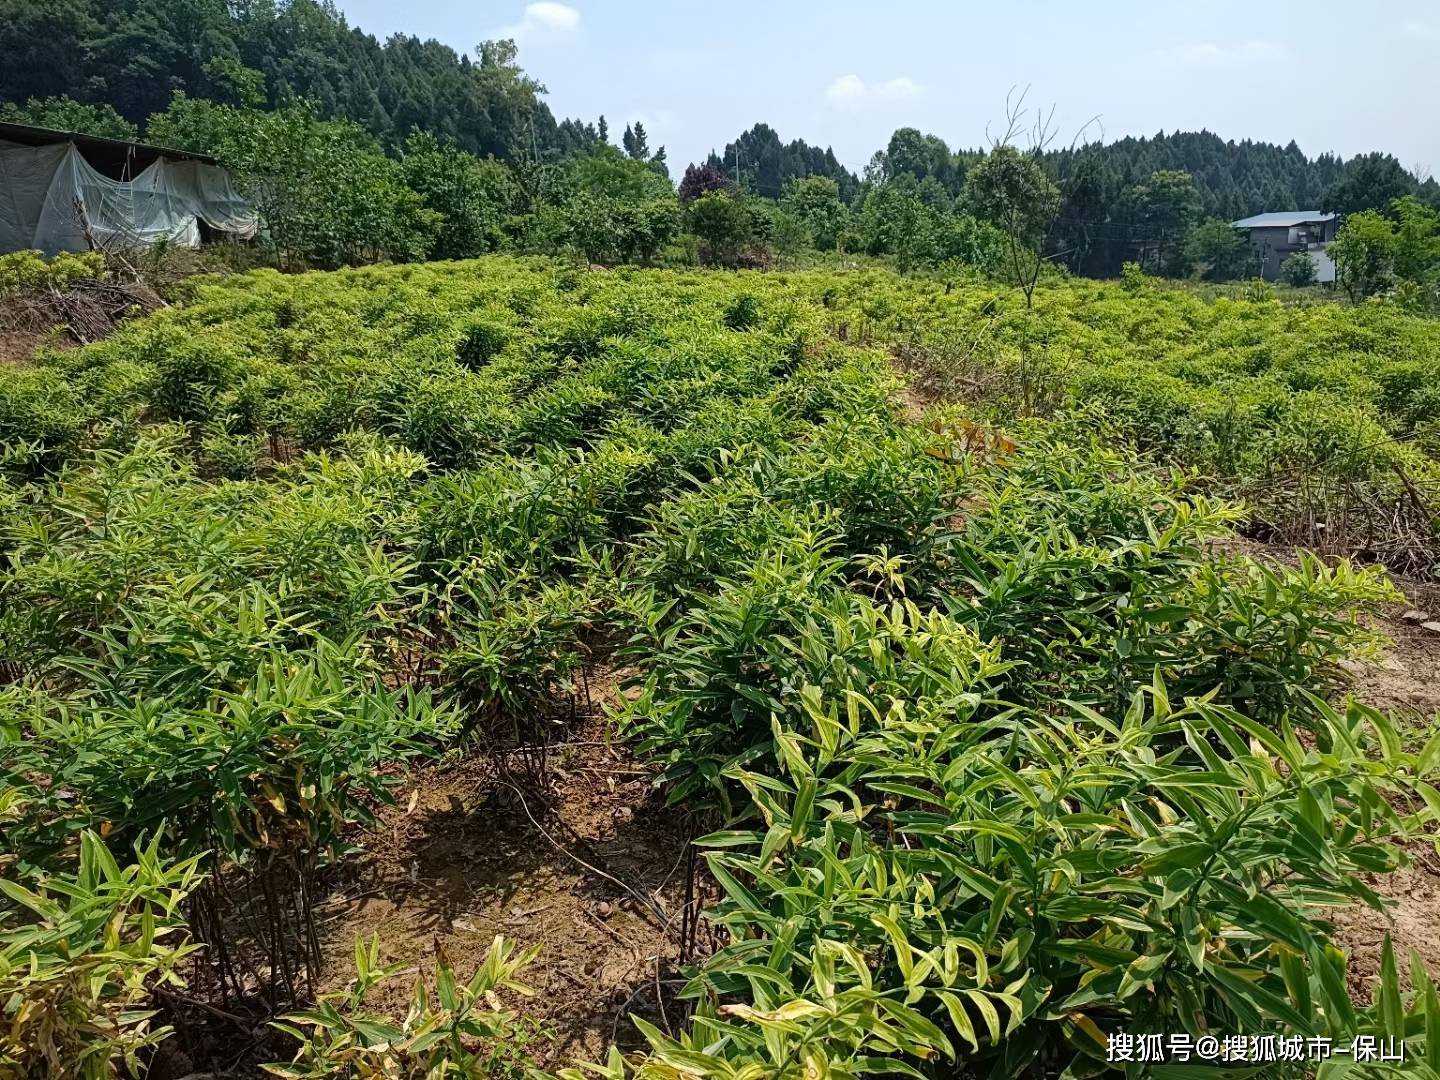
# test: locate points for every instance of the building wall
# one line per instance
(1271, 246)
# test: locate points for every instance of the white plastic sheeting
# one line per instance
(51, 199)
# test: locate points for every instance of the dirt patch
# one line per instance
(1413, 923)
(1407, 680)
(913, 402)
(18, 347)
(1405, 683)
(588, 863)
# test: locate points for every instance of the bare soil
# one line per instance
(1412, 923)
(469, 853)
(913, 403)
(1405, 683)
(18, 347)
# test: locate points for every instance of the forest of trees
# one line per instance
(760, 161)
(1139, 199)
(132, 55)
(357, 149)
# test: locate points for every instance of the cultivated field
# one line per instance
(454, 601)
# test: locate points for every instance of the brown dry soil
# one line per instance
(465, 856)
(18, 347)
(1406, 683)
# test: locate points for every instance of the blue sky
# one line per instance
(1332, 75)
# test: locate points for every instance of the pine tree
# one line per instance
(639, 146)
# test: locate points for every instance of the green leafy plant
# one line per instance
(80, 953)
(454, 1029)
(1007, 748)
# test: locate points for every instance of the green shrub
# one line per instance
(1298, 270)
(482, 343)
(28, 271)
(1006, 757)
(78, 965)
(456, 1029)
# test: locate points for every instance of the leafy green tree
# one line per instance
(327, 193)
(814, 202)
(232, 83)
(891, 217)
(595, 229)
(193, 124)
(473, 197)
(723, 224)
(647, 227)
(1368, 182)
(607, 172)
(788, 233)
(916, 234)
(1166, 205)
(1364, 253)
(910, 153)
(1417, 240)
(608, 231)
(1298, 270)
(969, 242)
(66, 114)
(1217, 250)
(1010, 190)
(896, 219)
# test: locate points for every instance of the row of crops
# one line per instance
(1323, 418)
(998, 755)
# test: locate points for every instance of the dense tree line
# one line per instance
(1138, 199)
(356, 149)
(759, 161)
(132, 55)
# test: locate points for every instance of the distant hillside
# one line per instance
(1234, 179)
(1107, 209)
(133, 55)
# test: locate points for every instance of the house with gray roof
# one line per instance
(1275, 237)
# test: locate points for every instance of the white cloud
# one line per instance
(1213, 54)
(846, 88)
(544, 19)
(901, 89)
(852, 90)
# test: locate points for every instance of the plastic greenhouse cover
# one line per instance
(53, 200)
